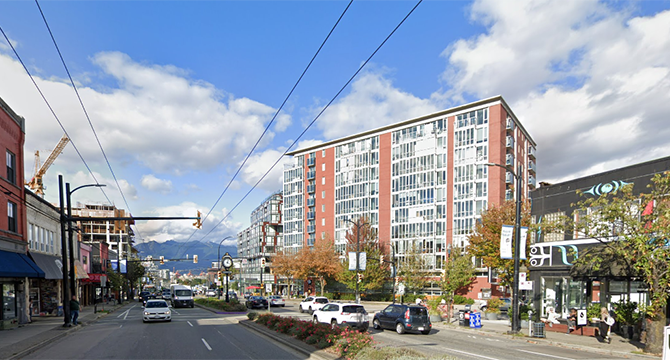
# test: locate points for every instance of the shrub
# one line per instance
(410, 298)
(493, 305)
(394, 353)
(593, 311)
(349, 342)
(232, 306)
(252, 315)
(347, 296)
(462, 300)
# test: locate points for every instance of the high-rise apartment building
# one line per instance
(421, 181)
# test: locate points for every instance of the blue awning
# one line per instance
(18, 265)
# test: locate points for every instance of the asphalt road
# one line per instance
(192, 334)
(463, 344)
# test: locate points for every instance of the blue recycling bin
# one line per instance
(476, 320)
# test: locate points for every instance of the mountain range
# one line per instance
(177, 252)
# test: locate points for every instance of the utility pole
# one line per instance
(66, 283)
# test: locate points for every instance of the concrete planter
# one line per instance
(435, 318)
(491, 316)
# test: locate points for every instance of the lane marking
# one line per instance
(206, 344)
(543, 354)
(121, 314)
(189, 323)
(471, 354)
(121, 326)
(127, 312)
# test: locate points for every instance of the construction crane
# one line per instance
(35, 184)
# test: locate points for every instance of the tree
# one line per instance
(286, 265)
(633, 231)
(413, 269)
(376, 273)
(459, 272)
(319, 261)
(135, 273)
(484, 241)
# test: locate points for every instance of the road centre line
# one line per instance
(543, 354)
(206, 344)
(471, 354)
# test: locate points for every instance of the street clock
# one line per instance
(227, 261)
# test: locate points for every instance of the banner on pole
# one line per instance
(362, 259)
(522, 246)
(506, 235)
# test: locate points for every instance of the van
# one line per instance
(181, 295)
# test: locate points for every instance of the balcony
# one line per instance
(311, 229)
(531, 152)
(310, 215)
(531, 181)
(310, 202)
(509, 194)
(311, 175)
(532, 167)
(509, 160)
(509, 178)
(311, 161)
(311, 189)
(510, 142)
(509, 124)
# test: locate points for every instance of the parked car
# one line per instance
(211, 293)
(403, 318)
(156, 310)
(256, 302)
(312, 303)
(349, 314)
(276, 300)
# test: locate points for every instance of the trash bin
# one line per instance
(538, 329)
(463, 318)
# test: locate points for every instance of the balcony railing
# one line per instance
(311, 161)
(311, 188)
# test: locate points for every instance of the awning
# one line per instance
(52, 265)
(18, 265)
(79, 270)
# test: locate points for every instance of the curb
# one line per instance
(297, 345)
(59, 336)
(546, 341)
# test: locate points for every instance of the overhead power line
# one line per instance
(90, 123)
(271, 121)
(317, 116)
(52, 111)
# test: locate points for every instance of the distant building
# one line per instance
(260, 242)
(421, 181)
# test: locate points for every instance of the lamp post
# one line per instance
(218, 256)
(517, 244)
(358, 225)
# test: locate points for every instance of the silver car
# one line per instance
(156, 310)
(276, 300)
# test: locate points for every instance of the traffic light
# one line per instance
(195, 259)
(262, 262)
(162, 260)
(381, 258)
(360, 277)
(198, 221)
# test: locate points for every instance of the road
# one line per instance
(463, 344)
(192, 334)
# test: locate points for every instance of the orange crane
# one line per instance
(35, 184)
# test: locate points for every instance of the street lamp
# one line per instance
(358, 225)
(68, 286)
(517, 244)
(218, 256)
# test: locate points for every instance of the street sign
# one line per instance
(268, 287)
(581, 318)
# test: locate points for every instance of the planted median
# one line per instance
(222, 305)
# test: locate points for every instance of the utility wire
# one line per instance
(271, 121)
(53, 112)
(97, 139)
(317, 117)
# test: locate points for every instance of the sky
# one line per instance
(178, 92)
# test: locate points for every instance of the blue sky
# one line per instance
(179, 91)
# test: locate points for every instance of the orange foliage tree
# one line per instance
(319, 261)
(286, 265)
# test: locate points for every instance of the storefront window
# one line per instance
(562, 294)
(8, 302)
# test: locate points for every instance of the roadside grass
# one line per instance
(395, 353)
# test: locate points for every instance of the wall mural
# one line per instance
(614, 185)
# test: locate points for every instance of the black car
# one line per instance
(256, 302)
(403, 318)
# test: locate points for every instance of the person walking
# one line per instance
(605, 324)
(74, 310)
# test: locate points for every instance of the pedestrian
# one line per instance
(74, 310)
(605, 325)
(552, 317)
(418, 300)
(572, 320)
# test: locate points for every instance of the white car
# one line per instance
(335, 314)
(312, 303)
(156, 310)
(276, 300)
(210, 293)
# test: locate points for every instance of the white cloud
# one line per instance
(590, 83)
(373, 102)
(157, 117)
(259, 164)
(152, 183)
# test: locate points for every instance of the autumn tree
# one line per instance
(287, 265)
(633, 231)
(484, 241)
(413, 269)
(459, 273)
(376, 273)
(319, 261)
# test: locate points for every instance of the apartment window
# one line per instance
(11, 216)
(323, 181)
(11, 167)
(323, 167)
(323, 194)
(323, 153)
(323, 208)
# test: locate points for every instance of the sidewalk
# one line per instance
(618, 346)
(18, 342)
